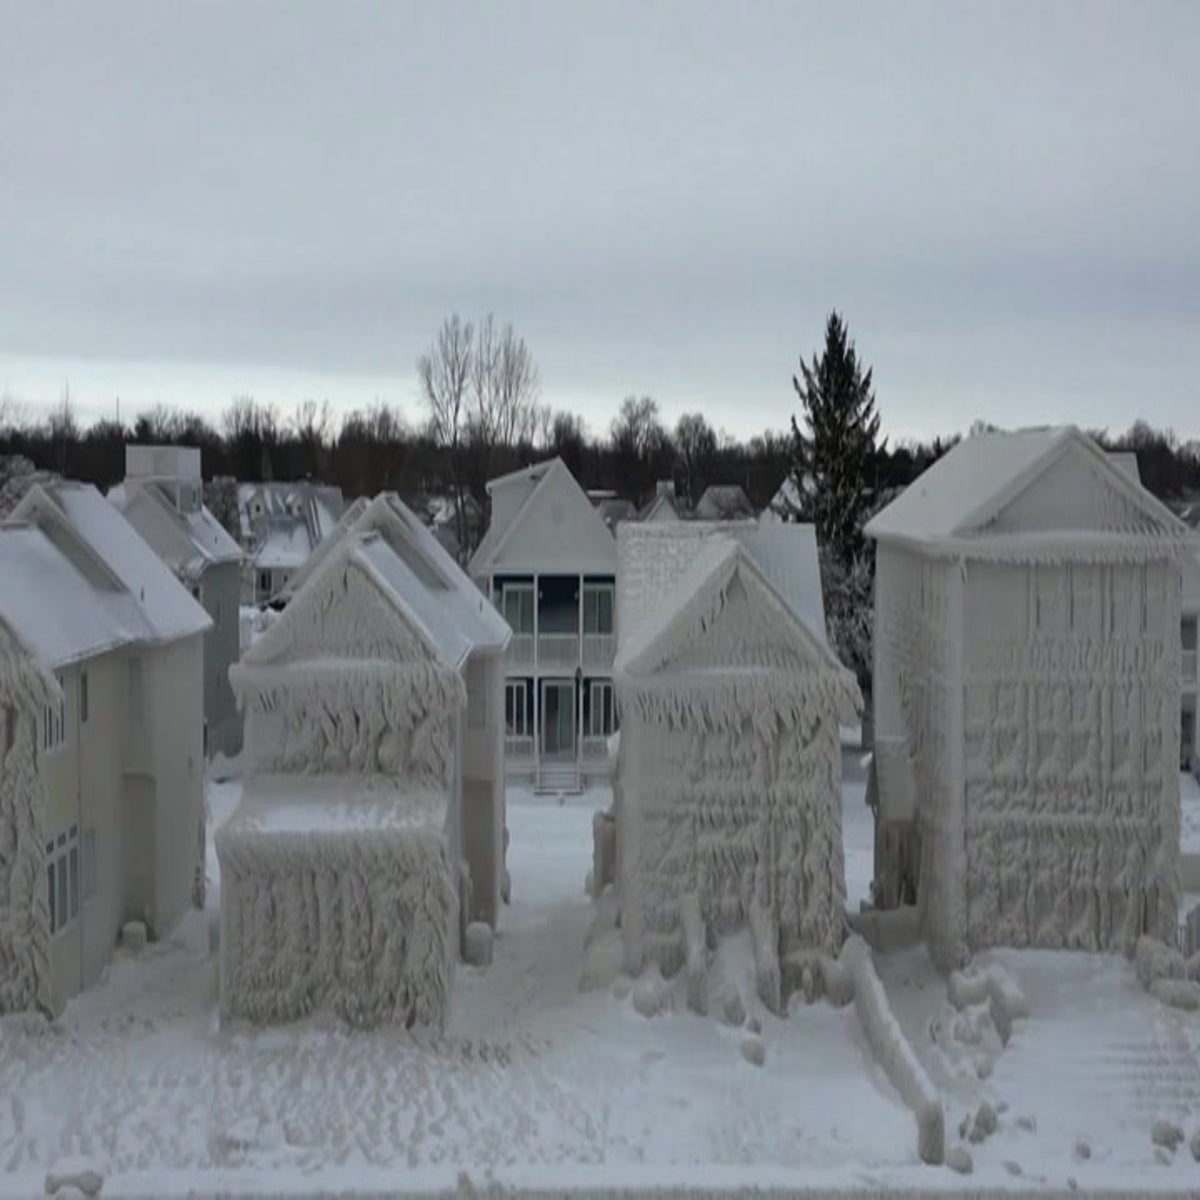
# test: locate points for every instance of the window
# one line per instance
(89, 862)
(601, 720)
(597, 608)
(516, 604)
(516, 708)
(136, 698)
(196, 592)
(83, 697)
(62, 876)
(54, 721)
(264, 583)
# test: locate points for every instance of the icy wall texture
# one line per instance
(363, 923)
(1071, 754)
(916, 613)
(729, 792)
(26, 982)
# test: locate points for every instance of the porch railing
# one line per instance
(558, 650)
(595, 749)
(1189, 666)
(518, 749)
(598, 650)
(520, 650)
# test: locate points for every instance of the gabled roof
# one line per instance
(169, 610)
(979, 477)
(661, 564)
(696, 596)
(532, 486)
(188, 542)
(414, 573)
(723, 502)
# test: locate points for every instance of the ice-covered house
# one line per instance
(727, 792)
(281, 525)
(162, 498)
(371, 823)
(1026, 689)
(549, 563)
(102, 778)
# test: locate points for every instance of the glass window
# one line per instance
(601, 710)
(54, 720)
(516, 603)
(62, 876)
(597, 608)
(516, 708)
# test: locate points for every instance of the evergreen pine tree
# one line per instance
(833, 456)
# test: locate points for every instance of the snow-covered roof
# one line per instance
(543, 520)
(187, 541)
(351, 803)
(416, 576)
(76, 580)
(167, 605)
(723, 502)
(966, 488)
(60, 614)
(286, 544)
(319, 505)
(661, 566)
(1127, 461)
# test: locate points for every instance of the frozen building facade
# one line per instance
(371, 823)
(162, 498)
(727, 798)
(281, 525)
(549, 563)
(102, 767)
(1027, 691)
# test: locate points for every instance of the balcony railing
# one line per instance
(598, 649)
(520, 650)
(1189, 666)
(558, 650)
(518, 749)
(595, 749)
(562, 650)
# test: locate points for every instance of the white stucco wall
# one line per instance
(220, 595)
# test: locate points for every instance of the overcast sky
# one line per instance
(198, 200)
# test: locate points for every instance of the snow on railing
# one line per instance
(518, 748)
(558, 650)
(595, 749)
(520, 650)
(599, 649)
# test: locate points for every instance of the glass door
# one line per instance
(558, 719)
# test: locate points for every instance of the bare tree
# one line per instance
(445, 375)
(697, 446)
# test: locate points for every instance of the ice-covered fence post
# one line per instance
(695, 946)
(604, 852)
(895, 1055)
(765, 935)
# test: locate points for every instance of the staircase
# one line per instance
(555, 778)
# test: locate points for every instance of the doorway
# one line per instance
(558, 720)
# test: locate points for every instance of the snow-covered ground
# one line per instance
(538, 1084)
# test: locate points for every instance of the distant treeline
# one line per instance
(376, 449)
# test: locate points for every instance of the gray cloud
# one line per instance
(663, 198)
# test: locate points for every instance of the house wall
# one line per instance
(917, 696)
(220, 595)
(174, 694)
(1072, 694)
(83, 788)
(482, 812)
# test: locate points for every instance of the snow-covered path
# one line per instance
(532, 1073)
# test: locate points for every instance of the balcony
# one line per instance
(520, 650)
(1189, 667)
(562, 651)
(598, 650)
(595, 749)
(518, 749)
